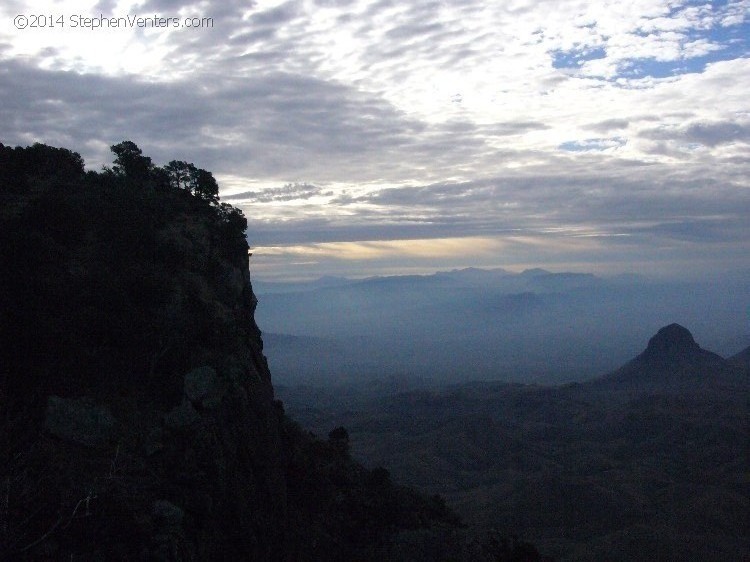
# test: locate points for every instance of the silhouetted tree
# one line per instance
(199, 182)
(181, 175)
(130, 162)
(206, 186)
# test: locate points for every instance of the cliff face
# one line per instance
(139, 414)
(139, 420)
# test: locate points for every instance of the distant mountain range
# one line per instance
(494, 324)
(470, 276)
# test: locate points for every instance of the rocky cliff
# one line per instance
(139, 420)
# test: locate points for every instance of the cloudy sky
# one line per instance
(378, 137)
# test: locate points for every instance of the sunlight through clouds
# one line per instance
(388, 249)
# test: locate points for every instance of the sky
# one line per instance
(389, 137)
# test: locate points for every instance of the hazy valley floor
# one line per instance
(584, 471)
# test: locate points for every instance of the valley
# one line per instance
(627, 466)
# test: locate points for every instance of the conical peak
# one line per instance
(672, 339)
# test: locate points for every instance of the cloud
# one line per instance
(511, 128)
(649, 206)
(621, 125)
(608, 125)
(273, 125)
(714, 134)
(709, 134)
(290, 192)
(105, 7)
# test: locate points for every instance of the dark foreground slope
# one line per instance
(138, 414)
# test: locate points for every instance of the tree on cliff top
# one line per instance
(117, 263)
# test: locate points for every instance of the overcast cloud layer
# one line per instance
(366, 137)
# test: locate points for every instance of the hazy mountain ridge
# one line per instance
(491, 324)
(467, 277)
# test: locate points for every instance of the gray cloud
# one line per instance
(706, 133)
(71, 109)
(274, 125)
(290, 192)
(288, 123)
(713, 134)
(334, 3)
(608, 125)
(514, 128)
(413, 30)
(105, 7)
(172, 6)
(650, 210)
(277, 16)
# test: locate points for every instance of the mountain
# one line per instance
(674, 362)
(741, 359)
(301, 286)
(139, 420)
(469, 324)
